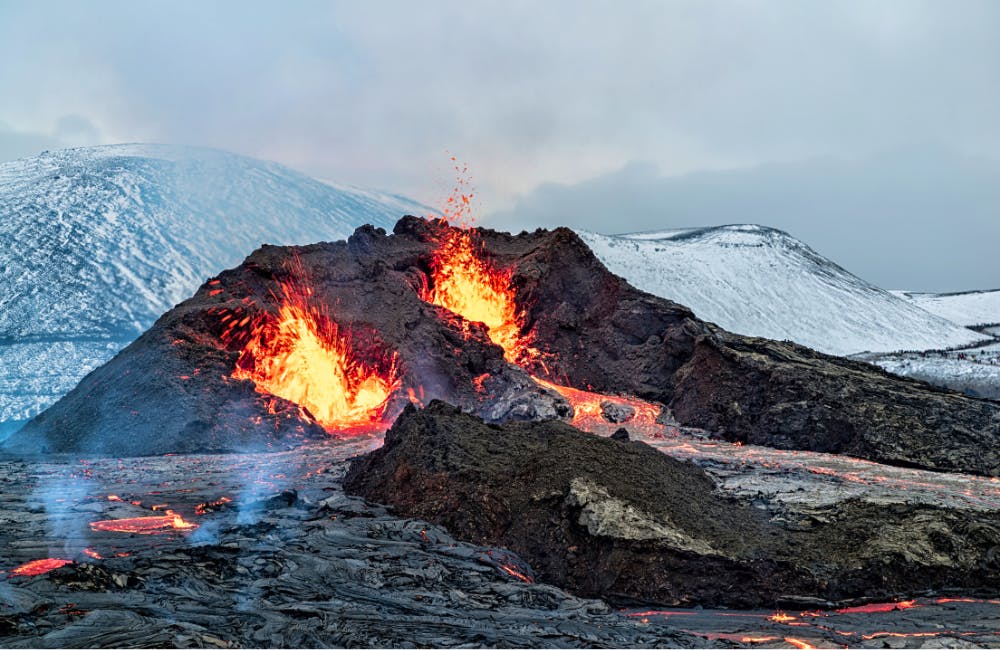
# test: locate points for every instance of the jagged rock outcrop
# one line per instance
(171, 391)
(620, 520)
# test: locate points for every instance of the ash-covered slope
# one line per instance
(593, 330)
(760, 281)
(95, 243)
(969, 308)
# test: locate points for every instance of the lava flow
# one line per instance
(592, 411)
(158, 525)
(38, 567)
(303, 356)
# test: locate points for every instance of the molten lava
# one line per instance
(590, 409)
(167, 523)
(211, 506)
(511, 571)
(38, 567)
(303, 356)
(466, 283)
(878, 608)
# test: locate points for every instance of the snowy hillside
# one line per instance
(968, 308)
(95, 243)
(763, 282)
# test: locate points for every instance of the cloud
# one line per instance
(527, 92)
(540, 97)
(77, 130)
(920, 218)
(69, 131)
(16, 144)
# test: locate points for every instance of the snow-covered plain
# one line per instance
(760, 281)
(96, 243)
(969, 308)
(975, 371)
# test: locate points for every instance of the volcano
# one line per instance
(506, 327)
(97, 242)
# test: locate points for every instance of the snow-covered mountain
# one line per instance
(969, 308)
(95, 243)
(763, 282)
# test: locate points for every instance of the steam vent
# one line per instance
(335, 339)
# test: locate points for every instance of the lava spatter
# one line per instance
(465, 282)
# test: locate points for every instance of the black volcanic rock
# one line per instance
(170, 390)
(620, 520)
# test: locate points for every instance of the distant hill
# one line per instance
(763, 282)
(968, 308)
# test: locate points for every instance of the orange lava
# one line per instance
(38, 567)
(89, 552)
(878, 608)
(729, 636)
(509, 570)
(901, 635)
(781, 617)
(205, 508)
(588, 410)
(159, 525)
(799, 643)
(466, 283)
(303, 356)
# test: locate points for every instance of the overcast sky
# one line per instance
(612, 116)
